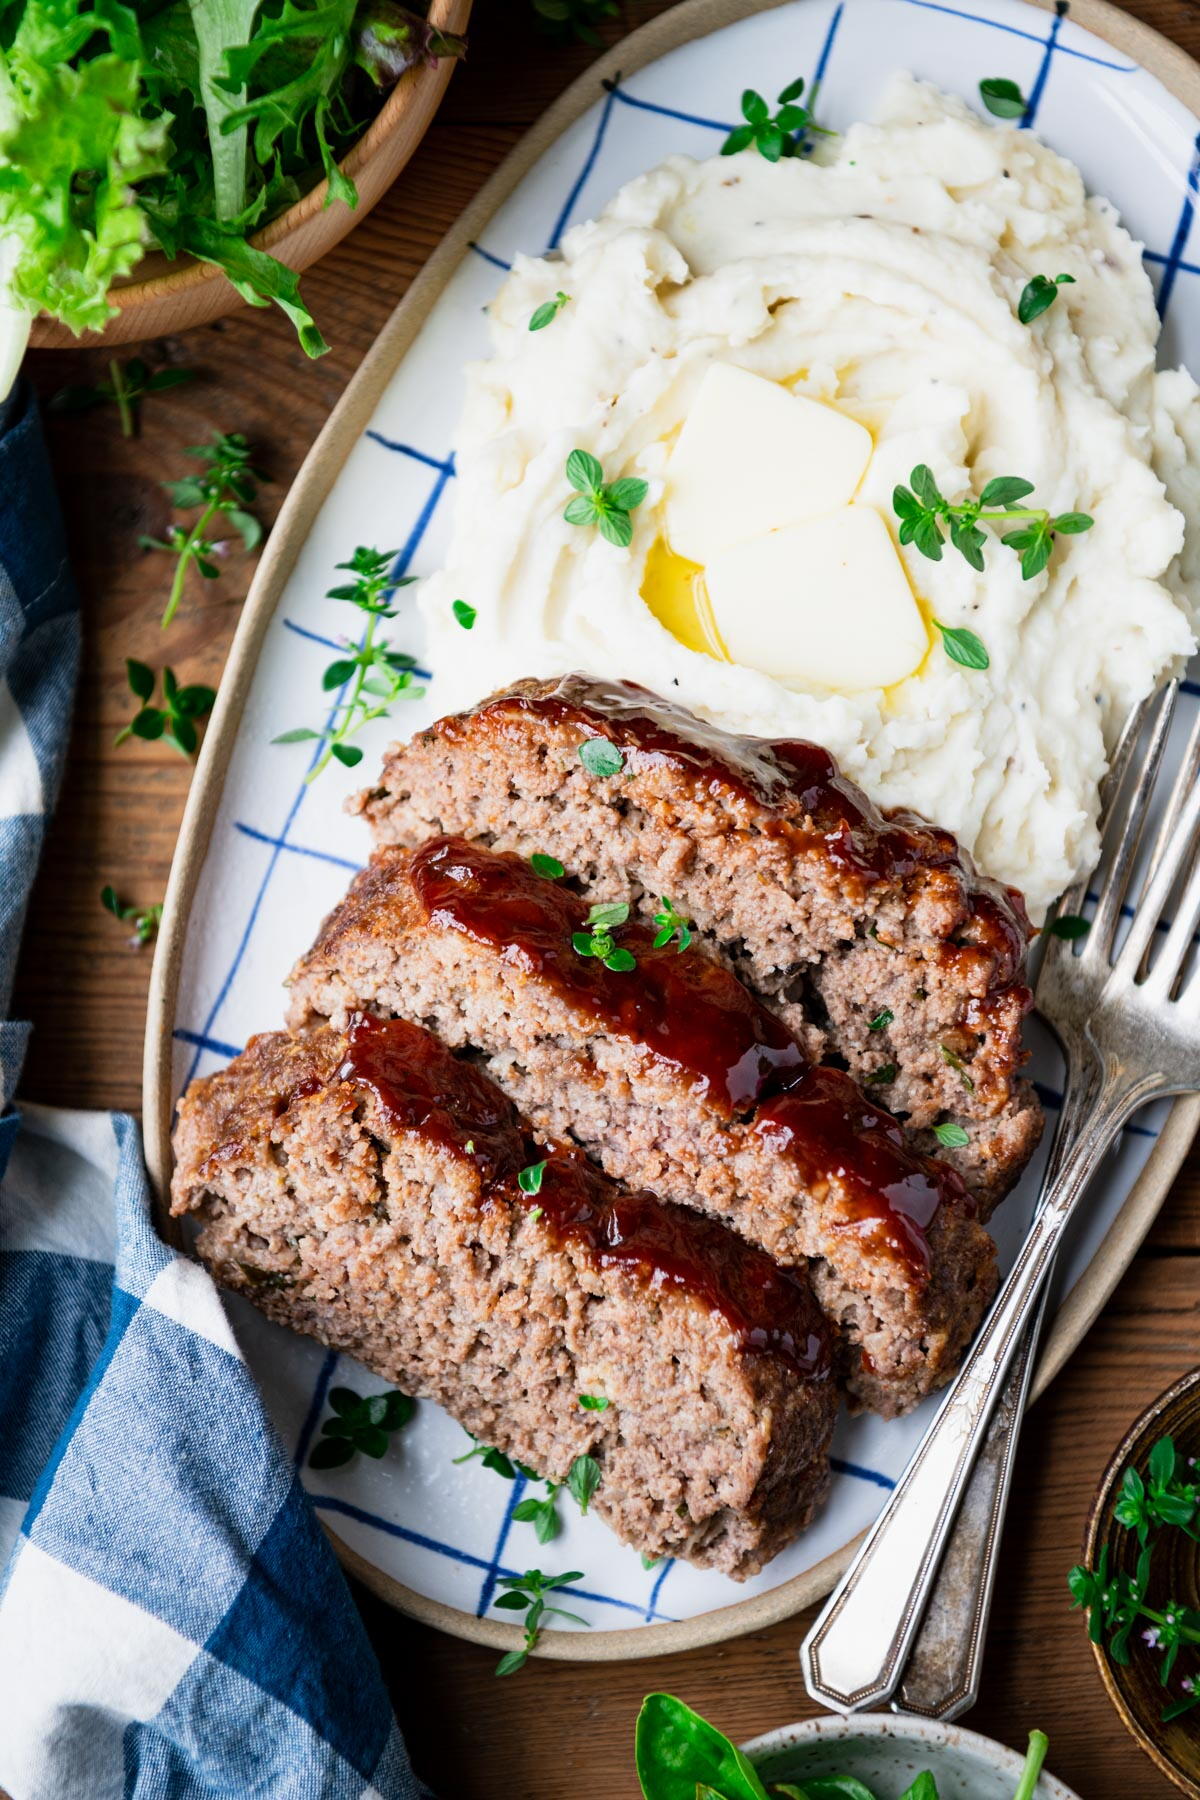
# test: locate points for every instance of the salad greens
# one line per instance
(680, 1756)
(186, 124)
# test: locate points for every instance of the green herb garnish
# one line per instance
(599, 757)
(1069, 926)
(530, 1179)
(527, 1593)
(1003, 99)
(962, 646)
(952, 1136)
(882, 1020)
(548, 867)
(671, 923)
(228, 485)
(1039, 294)
(175, 720)
(374, 675)
(144, 919)
(923, 511)
(359, 1422)
(583, 1478)
(466, 615)
(958, 1065)
(1165, 1500)
(650, 1562)
(593, 1402)
(496, 1461)
(597, 940)
(541, 1514)
(127, 385)
(882, 1076)
(606, 504)
(548, 311)
(777, 134)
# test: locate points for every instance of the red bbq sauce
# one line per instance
(684, 1008)
(798, 783)
(419, 1085)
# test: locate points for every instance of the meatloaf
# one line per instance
(870, 933)
(363, 1187)
(661, 1065)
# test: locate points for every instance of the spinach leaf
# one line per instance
(678, 1752)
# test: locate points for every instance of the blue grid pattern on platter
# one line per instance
(1171, 262)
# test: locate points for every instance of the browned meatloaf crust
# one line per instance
(675, 1078)
(362, 1187)
(836, 914)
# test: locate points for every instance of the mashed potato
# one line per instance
(882, 278)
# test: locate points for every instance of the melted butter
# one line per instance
(674, 591)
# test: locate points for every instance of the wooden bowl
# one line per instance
(1135, 1690)
(162, 297)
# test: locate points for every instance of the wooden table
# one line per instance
(556, 1729)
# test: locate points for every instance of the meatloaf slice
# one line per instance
(662, 1066)
(871, 934)
(362, 1187)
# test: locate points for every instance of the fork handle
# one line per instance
(854, 1654)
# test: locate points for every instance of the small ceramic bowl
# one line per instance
(887, 1751)
(162, 297)
(1135, 1690)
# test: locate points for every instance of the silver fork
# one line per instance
(941, 1676)
(1141, 1041)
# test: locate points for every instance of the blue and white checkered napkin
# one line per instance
(172, 1620)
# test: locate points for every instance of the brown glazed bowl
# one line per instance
(1135, 1690)
(162, 297)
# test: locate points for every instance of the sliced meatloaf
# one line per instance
(363, 1187)
(662, 1066)
(871, 934)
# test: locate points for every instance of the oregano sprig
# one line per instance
(926, 515)
(527, 1593)
(126, 387)
(359, 1422)
(597, 940)
(605, 504)
(227, 485)
(1166, 1498)
(775, 134)
(144, 919)
(175, 720)
(373, 675)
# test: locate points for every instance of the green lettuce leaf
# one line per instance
(258, 278)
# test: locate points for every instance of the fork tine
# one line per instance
(1189, 773)
(1099, 941)
(1169, 960)
(1072, 898)
(1175, 857)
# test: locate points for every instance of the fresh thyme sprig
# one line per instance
(1003, 98)
(127, 385)
(600, 757)
(144, 919)
(594, 1403)
(1039, 294)
(548, 867)
(175, 720)
(583, 1478)
(226, 486)
(359, 1422)
(597, 940)
(373, 674)
(464, 613)
(530, 1179)
(548, 311)
(527, 1593)
(951, 1136)
(777, 134)
(1166, 1499)
(956, 1063)
(606, 504)
(923, 511)
(671, 923)
(496, 1461)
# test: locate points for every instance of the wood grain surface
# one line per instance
(556, 1730)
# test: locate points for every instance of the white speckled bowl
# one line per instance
(888, 1750)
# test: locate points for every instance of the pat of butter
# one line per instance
(751, 458)
(825, 604)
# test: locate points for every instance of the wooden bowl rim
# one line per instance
(682, 24)
(1127, 1452)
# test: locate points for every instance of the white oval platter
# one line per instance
(262, 856)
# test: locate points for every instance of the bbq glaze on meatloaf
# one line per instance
(870, 933)
(674, 1077)
(362, 1187)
